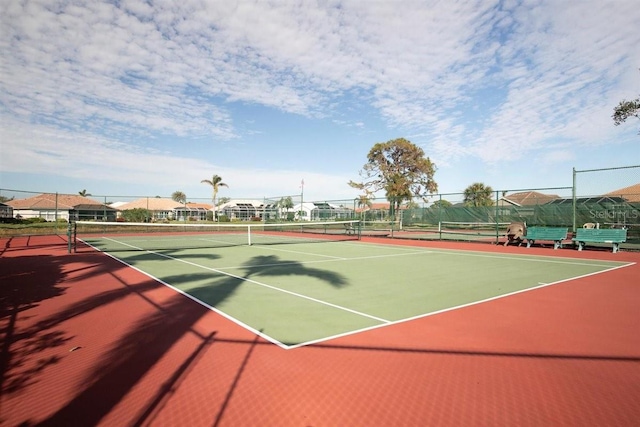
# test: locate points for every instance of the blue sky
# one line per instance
(149, 97)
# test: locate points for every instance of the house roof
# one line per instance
(152, 204)
(64, 201)
(630, 194)
(530, 198)
(239, 202)
(588, 200)
(384, 206)
(373, 207)
(191, 205)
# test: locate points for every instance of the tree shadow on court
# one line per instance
(148, 340)
(30, 243)
(134, 256)
(128, 362)
(26, 281)
(271, 265)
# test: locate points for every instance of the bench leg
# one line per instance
(557, 244)
(530, 242)
(616, 247)
(580, 245)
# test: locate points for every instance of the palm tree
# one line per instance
(180, 197)
(215, 183)
(477, 194)
(364, 201)
(84, 193)
(284, 205)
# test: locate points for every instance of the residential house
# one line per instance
(6, 211)
(375, 211)
(321, 211)
(630, 194)
(53, 206)
(527, 198)
(246, 210)
(167, 209)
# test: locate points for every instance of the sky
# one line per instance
(150, 97)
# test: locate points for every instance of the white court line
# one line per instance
(202, 303)
(296, 252)
(433, 313)
(520, 257)
(255, 282)
(334, 259)
(384, 322)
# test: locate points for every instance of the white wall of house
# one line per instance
(325, 211)
(49, 215)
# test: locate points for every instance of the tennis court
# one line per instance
(315, 328)
(296, 291)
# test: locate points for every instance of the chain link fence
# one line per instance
(606, 198)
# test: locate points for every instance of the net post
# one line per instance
(69, 237)
(248, 235)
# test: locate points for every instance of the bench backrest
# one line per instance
(547, 233)
(602, 235)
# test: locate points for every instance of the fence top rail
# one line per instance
(606, 169)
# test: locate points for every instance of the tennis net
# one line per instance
(459, 230)
(111, 236)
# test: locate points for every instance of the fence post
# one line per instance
(497, 219)
(440, 217)
(573, 196)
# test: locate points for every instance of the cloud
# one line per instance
(490, 80)
(560, 66)
(89, 158)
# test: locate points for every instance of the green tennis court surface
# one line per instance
(301, 293)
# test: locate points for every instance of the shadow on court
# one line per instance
(28, 280)
(152, 337)
(271, 265)
(25, 282)
(112, 380)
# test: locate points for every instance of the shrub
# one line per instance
(36, 220)
(136, 215)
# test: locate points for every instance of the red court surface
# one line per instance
(87, 341)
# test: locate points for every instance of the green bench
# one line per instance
(615, 236)
(554, 234)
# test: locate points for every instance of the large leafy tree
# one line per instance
(626, 109)
(179, 196)
(477, 194)
(400, 169)
(215, 182)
